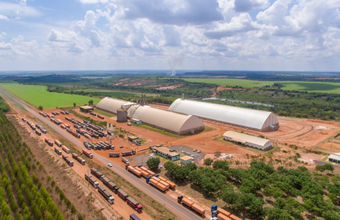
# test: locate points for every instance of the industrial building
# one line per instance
(165, 152)
(85, 108)
(186, 159)
(165, 120)
(334, 158)
(243, 117)
(111, 105)
(248, 140)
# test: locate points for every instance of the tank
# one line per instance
(121, 115)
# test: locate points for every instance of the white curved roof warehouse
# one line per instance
(250, 118)
(111, 104)
(167, 120)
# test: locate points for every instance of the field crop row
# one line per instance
(39, 96)
(324, 87)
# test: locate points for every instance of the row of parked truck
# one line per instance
(101, 145)
(91, 131)
(110, 185)
(36, 127)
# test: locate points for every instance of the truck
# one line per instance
(96, 173)
(112, 187)
(106, 194)
(65, 149)
(92, 113)
(114, 154)
(49, 142)
(87, 136)
(68, 160)
(153, 181)
(126, 161)
(194, 207)
(122, 194)
(133, 171)
(57, 151)
(87, 153)
(171, 184)
(38, 132)
(78, 158)
(134, 217)
(127, 153)
(134, 204)
(99, 116)
(57, 143)
(222, 214)
(91, 180)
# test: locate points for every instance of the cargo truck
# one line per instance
(171, 184)
(57, 143)
(91, 180)
(194, 207)
(153, 181)
(122, 194)
(114, 154)
(87, 153)
(68, 160)
(127, 153)
(134, 217)
(112, 187)
(57, 151)
(65, 149)
(106, 194)
(126, 161)
(94, 114)
(133, 171)
(49, 142)
(134, 204)
(38, 132)
(99, 116)
(87, 136)
(78, 158)
(96, 173)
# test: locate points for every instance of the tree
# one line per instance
(41, 108)
(153, 163)
(74, 104)
(221, 164)
(208, 162)
(91, 102)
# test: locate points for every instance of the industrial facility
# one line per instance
(334, 158)
(165, 120)
(243, 117)
(248, 140)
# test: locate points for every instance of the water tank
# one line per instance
(121, 115)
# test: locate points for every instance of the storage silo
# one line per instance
(121, 115)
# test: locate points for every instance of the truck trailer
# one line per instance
(106, 194)
(78, 158)
(134, 204)
(65, 149)
(68, 160)
(122, 194)
(194, 207)
(87, 153)
(126, 161)
(134, 217)
(91, 180)
(154, 182)
(57, 151)
(49, 142)
(57, 143)
(96, 173)
(133, 171)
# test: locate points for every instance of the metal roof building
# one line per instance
(249, 118)
(167, 120)
(111, 104)
(248, 140)
(334, 158)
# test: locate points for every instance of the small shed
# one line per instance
(86, 108)
(133, 138)
(136, 121)
(186, 159)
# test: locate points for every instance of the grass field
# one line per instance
(325, 87)
(39, 96)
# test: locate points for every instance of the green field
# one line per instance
(325, 87)
(39, 96)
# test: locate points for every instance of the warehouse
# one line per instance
(334, 158)
(85, 108)
(166, 153)
(166, 120)
(111, 105)
(243, 117)
(248, 140)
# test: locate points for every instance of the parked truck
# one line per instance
(57, 143)
(48, 142)
(65, 149)
(96, 173)
(106, 194)
(128, 153)
(194, 207)
(222, 214)
(122, 194)
(78, 158)
(91, 180)
(126, 161)
(112, 187)
(134, 217)
(156, 183)
(57, 151)
(133, 171)
(68, 160)
(134, 204)
(87, 153)
(114, 154)
(171, 184)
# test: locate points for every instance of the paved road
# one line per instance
(171, 205)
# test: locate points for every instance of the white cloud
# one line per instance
(18, 10)
(3, 17)
(248, 5)
(93, 1)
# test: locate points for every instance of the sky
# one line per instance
(264, 35)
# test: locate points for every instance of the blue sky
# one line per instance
(285, 35)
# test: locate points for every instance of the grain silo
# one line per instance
(121, 115)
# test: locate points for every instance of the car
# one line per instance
(183, 151)
(198, 151)
(121, 146)
(192, 155)
(194, 150)
(109, 164)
